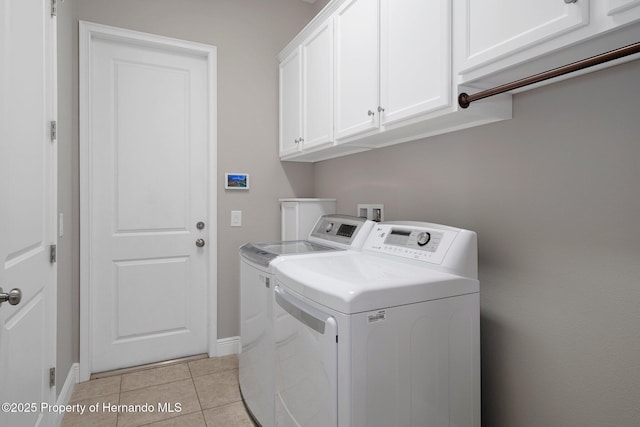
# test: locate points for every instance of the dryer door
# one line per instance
(256, 363)
(306, 363)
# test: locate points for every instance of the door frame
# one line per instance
(89, 32)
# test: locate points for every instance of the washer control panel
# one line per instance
(341, 229)
(418, 243)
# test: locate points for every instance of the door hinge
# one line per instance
(53, 255)
(53, 130)
(54, 8)
(52, 377)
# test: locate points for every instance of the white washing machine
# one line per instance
(331, 233)
(388, 336)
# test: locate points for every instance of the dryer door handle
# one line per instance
(305, 313)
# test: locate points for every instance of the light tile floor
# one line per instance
(202, 393)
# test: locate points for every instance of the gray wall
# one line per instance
(554, 195)
(248, 34)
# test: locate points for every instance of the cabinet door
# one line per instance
(290, 103)
(415, 57)
(317, 86)
(617, 6)
(497, 28)
(357, 64)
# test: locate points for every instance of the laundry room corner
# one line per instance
(248, 37)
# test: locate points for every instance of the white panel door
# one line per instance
(617, 6)
(357, 67)
(290, 103)
(415, 59)
(497, 28)
(148, 189)
(27, 210)
(317, 87)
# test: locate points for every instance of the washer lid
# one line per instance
(263, 253)
(353, 282)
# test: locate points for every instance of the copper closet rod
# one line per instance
(464, 99)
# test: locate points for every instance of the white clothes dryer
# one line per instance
(388, 336)
(331, 233)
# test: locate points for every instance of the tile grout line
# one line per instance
(119, 397)
(193, 380)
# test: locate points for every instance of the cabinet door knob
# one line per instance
(371, 113)
(296, 140)
(380, 109)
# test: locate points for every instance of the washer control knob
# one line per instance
(423, 238)
(328, 228)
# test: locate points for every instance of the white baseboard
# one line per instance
(227, 346)
(67, 390)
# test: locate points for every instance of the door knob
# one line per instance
(200, 243)
(13, 297)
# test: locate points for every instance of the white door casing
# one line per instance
(28, 188)
(148, 176)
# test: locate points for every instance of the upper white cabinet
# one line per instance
(370, 73)
(497, 42)
(620, 6)
(317, 87)
(496, 28)
(357, 74)
(392, 62)
(290, 103)
(415, 58)
(306, 93)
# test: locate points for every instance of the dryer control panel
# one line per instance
(429, 244)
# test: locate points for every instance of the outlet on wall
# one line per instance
(374, 212)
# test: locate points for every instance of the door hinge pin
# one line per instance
(53, 256)
(54, 8)
(52, 377)
(54, 130)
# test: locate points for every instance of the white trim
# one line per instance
(73, 378)
(227, 346)
(87, 32)
(212, 60)
(52, 344)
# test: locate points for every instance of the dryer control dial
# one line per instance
(328, 228)
(423, 238)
